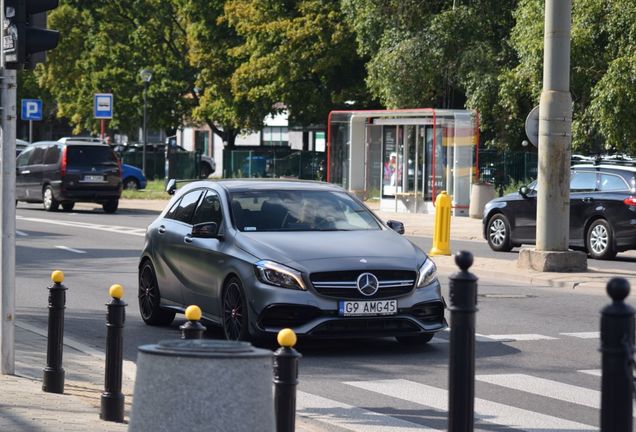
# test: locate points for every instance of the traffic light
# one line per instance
(26, 37)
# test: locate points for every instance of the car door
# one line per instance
(583, 194)
(522, 215)
(33, 174)
(22, 173)
(610, 202)
(204, 258)
(170, 246)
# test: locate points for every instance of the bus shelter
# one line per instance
(404, 158)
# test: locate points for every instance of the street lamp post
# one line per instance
(146, 76)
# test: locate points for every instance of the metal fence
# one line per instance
(186, 164)
(274, 162)
(503, 168)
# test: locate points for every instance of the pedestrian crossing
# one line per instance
(522, 337)
(489, 415)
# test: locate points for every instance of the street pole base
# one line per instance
(552, 261)
(53, 380)
(112, 407)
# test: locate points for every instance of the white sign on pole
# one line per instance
(103, 106)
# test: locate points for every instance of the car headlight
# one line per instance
(426, 274)
(272, 273)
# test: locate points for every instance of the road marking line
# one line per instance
(21, 233)
(514, 337)
(486, 411)
(583, 335)
(140, 232)
(129, 368)
(595, 372)
(546, 388)
(350, 417)
(70, 249)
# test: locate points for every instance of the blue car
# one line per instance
(132, 177)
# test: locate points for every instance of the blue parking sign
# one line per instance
(31, 109)
(103, 106)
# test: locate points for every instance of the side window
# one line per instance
(37, 157)
(23, 159)
(583, 181)
(52, 155)
(173, 211)
(610, 182)
(185, 209)
(209, 209)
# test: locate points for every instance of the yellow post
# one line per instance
(441, 230)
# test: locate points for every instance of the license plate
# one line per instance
(93, 178)
(367, 307)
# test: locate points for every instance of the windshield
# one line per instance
(299, 210)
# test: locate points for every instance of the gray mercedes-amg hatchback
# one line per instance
(261, 255)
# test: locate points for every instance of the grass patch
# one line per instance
(155, 189)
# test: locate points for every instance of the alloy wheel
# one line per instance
(599, 239)
(233, 311)
(148, 295)
(48, 198)
(497, 232)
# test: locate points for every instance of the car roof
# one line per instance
(608, 166)
(244, 185)
(71, 143)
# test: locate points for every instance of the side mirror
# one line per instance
(171, 186)
(523, 191)
(396, 226)
(205, 230)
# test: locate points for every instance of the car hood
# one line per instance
(328, 250)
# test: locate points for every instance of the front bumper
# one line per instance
(311, 314)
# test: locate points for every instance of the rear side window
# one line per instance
(37, 157)
(52, 155)
(81, 156)
(610, 182)
(583, 181)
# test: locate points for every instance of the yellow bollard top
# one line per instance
(57, 276)
(286, 338)
(443, 199)
(116, 291)
(193, 313)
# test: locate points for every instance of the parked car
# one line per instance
(20, 145)
(56, 173)
(261, 255)
(602, 212)
(132, 177)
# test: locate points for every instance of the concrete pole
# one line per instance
(555, 131)
(7, 216)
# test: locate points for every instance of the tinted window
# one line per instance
(37, 156)
(80, 155)
(299, 210)
(185, 208)
(610, 182)
(209, 210)
(23, 159)
(583, 181)
(52, 155)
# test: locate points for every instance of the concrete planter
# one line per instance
(480, 194)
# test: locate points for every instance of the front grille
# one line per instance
(356, 327)
(343, 284)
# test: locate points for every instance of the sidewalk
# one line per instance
(465, 228)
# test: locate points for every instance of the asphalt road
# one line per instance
(536, 356)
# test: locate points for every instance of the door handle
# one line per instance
(588, 199)
(188, 239)
(162, 229)
(25, 172)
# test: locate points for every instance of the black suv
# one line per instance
(56, 173)
(602, 212)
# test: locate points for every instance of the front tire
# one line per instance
(150, 299)
(110, 206)
(235, 323)
(420, 339)
(131, 183)
(599, 240)
(204, 170)
(498, 233)
(48, 200)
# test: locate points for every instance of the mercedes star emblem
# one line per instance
(368, 284)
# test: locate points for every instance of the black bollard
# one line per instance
(53, 380)
(193, 329)
(285, 381)
(112, 400)
(617, 347)
(461, 374)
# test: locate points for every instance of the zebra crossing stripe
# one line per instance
(594, 372)
(516, 337)
(351, 418)
(583, 335)
(546, 388)
(487, 411)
